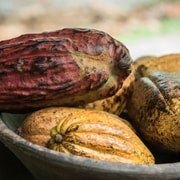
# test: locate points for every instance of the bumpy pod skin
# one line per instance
(154, 106)
(146, 64)
(83, 132)
(68, 67)
(117, 103)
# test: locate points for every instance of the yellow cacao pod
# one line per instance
(84, 132)
(154, 104)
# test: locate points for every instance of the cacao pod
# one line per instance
(84, 132)
(68, 67)
(117, 103)
(154, 105)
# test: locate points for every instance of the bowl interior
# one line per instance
(13, 121)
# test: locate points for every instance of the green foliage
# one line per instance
(166, 26)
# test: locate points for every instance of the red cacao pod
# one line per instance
(67, 67)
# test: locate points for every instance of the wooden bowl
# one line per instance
(46, 164)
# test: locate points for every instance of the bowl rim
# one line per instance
(7, 135)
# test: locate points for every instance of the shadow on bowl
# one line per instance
(46, 164)
(11, 167)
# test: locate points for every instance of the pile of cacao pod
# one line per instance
(76, 83)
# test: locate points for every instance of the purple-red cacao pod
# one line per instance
(68, 67)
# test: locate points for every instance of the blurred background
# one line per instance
(145, 27)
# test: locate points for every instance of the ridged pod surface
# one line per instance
(154, 106)
(68, 67)
(89, 133)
